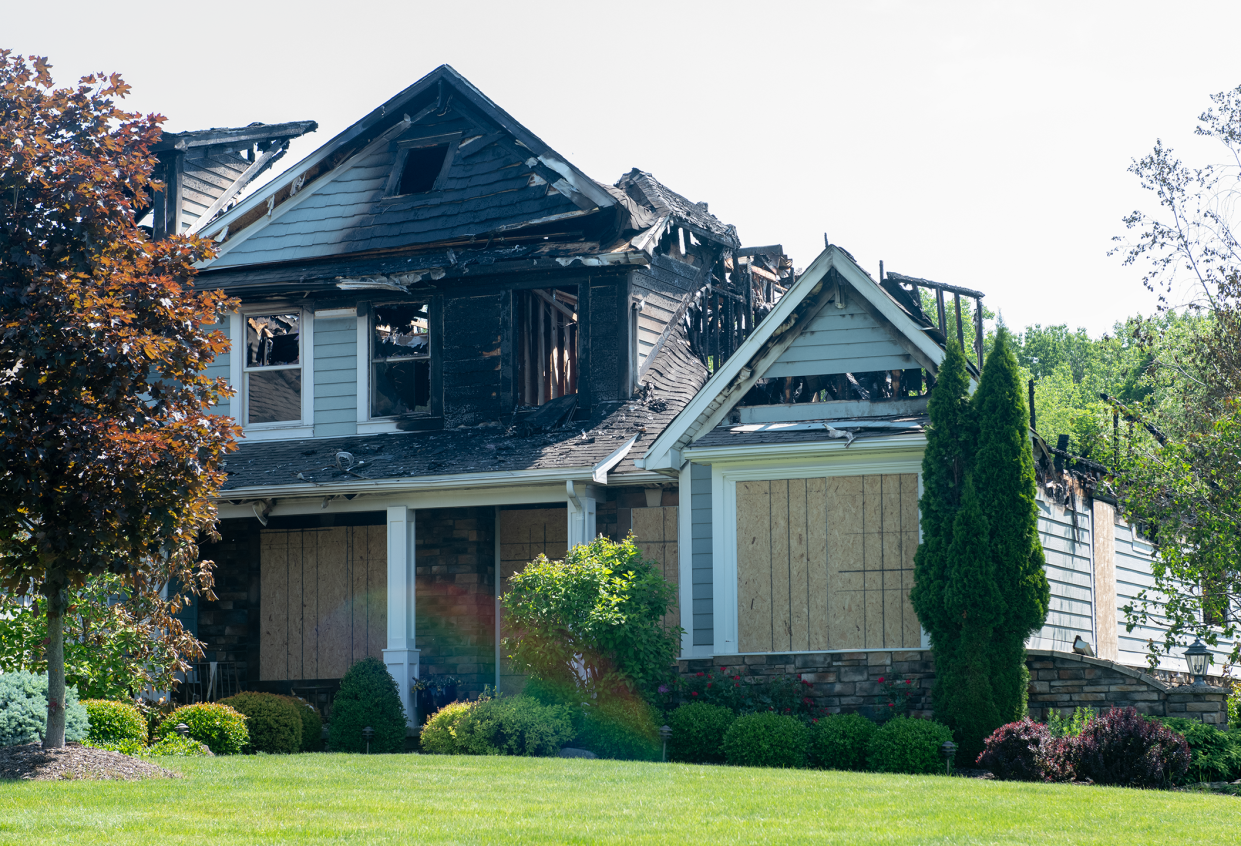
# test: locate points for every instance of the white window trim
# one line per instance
(368, 425)
(303, 428)
(896, 458)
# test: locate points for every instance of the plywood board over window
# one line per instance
(826, 563)
(655, 534)
(323, 600)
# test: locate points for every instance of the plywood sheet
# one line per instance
(847, 616)
(273, 603)
(335, 635)
(754, 566)
(296, 568)
(873, 624)
(817, 564)
(799, 579)
(648, 524)
(310, 604)
(781, 626)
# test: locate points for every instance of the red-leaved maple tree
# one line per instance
(108, 452)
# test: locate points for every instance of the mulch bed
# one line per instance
(74, 761)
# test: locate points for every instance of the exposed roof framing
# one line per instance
(234, 138)
(939, 286)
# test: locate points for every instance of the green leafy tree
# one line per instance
(108, 452)
(592, 624)
(1003, 474)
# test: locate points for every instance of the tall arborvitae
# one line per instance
(1003, 475)
(949, 444)
(972, 602)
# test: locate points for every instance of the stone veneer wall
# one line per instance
(229, 627)
(842, 682)
(455, 595)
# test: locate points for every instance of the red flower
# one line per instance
(880, 678)
(708, 684)
(815, 720)
(736, 678)
(891, 704)
(693, 693)
(738, 684)
(702, 674)
(909, 681)
(723, 669)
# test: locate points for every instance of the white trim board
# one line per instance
(724, 478)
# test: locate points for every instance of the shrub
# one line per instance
(176, 745)
(513, 725)
(367, 697)
(765, 740)
(698, 731)
(273, 722)
(1214, 755)
(1018, 751)
(439, 734)
(908, 745)
(114, 722)
(312, 724)
(620, 727)
(1122, 747)
(1069, 726)
(125, 747)
(23, 710)
(220, 727)
(750, 695)
(840, 741)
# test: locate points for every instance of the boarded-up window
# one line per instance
(655, 533)
(826, 563)
(324, 600)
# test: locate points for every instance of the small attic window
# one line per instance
(421, 169)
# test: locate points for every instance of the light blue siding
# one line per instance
(700, 549)
(846, 340)
(336, 374)
(221, 368)
(1069, 552)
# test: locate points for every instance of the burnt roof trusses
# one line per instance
(505, 201)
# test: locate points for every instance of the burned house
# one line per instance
(455, 351)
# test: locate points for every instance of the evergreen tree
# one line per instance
(950, 437)
(1003, 475)
(972, 601)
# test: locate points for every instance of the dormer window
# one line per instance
(422, 165)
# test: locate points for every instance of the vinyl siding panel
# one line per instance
(700, 546)
(221, 368)
(335, 377)
(844, 340)
(1069, 552)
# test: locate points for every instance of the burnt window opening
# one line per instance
(547, 322)
(273, 369)
(868, 387)
(421, 169)
(400, 359)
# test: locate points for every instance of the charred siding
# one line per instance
(471, 359)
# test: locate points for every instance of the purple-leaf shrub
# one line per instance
(1124, 748)
(1015, 752)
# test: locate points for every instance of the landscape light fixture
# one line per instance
(949, 751)
(665, 732)
(367, 734)
(1196, 657)
(183, 730)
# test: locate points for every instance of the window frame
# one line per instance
(303, 427)
(452, 139)
(368, 424)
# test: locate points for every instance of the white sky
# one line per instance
(978, 144)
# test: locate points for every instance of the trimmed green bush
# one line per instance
(23, 710)
(178, 746)
(620, 728)
(125, 747)
(908, 745)
(115, 723)
(312, 724)
(698, 731)
(367, 697)
(273, 722)
(513, 725)
(220, 727)
(439, 734)
(766, 740)
(840, 741)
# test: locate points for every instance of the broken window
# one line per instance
(400, 359)
(273, 371)
(869, 387)
(546, 344)
(422, 167)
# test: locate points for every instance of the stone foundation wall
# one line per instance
(842, 682)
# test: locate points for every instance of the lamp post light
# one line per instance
(367, 734)
(1196, 657)
(665, 732)
(183, 730)
(949, 751)
(324, 734)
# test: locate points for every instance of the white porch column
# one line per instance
(582, 503)
(401, 657)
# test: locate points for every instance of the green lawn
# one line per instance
(428, 799)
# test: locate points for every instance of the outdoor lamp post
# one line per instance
(665, 732)
(367, 734)
(1196, 657)
(183, 730)
(949, 751)
(324, 734)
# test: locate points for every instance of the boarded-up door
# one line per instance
(655, 533)
(324, 600)
(826, 563)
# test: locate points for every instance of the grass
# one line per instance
(430, 799)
